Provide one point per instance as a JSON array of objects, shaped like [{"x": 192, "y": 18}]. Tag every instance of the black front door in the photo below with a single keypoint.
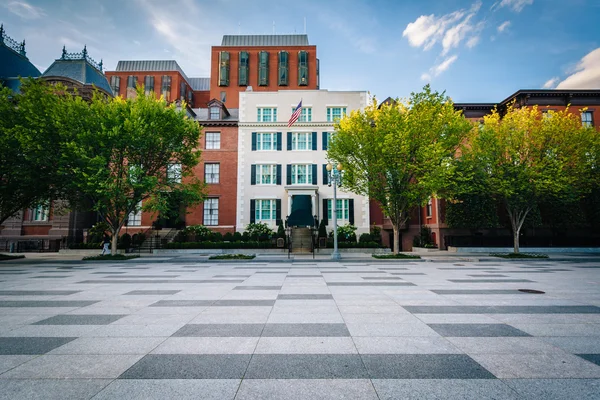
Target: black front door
[{"x": 301, "y": 214}]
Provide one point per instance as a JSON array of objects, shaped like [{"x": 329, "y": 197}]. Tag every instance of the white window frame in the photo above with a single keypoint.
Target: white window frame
[
  {"x": 135, "y": 217},
  {"x": 174, "y": 172},
  {"x": 210, "y": 215},
  {"x": 429, "y": 208},
  {"x": 213, "y": 140},
  {"x": 585, "y": 121},
  {"x": 342, "y": 210},
  {"x": 214, "y": 113},
  {"x": 305, "y": 114},
  {"x": 261, "y": 207},
  {"x": 212, "y": 172},
  {"x": 333, "y": 118},
  {"x": 40, "y": 213},
  {"x": 261, "y": 141},
  {"x": 307, "y": 173},
  {"x": 266, "y": 114},
  {"x": 299, "y": 138},
  {"x": 266, "y": 174}
]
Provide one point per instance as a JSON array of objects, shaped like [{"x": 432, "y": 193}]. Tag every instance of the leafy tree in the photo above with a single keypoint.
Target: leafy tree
[
  {"x": 120, "y": 154},
  {"x": 399, "y": 153},
  {"x": 526, "y": 157},
  {"x": 32, "y": 123}
]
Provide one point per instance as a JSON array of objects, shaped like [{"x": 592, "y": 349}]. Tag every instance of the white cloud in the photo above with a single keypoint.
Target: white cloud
[
  {"x": 449, "y": 29},
  {"x": 439, "y": 68},
  {"x": 25, "y": 10},
  {"x": 586, "y": 75},
  {"x": 425, "y": 77},
  {"x": 551, "y": 83},
  {"x": 503, "y": 26},
  {"x": 515, "y": 5},
  {"x": 472, "y": 42}
]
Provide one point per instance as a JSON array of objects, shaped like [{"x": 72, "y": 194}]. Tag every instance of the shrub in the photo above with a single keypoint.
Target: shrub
[
  {"x": 96, "y": 233},
  {"x": 365, "y": 237},
  {"x": 125, "y": 241},
  {"x": 83, "y": 246},
  {"x": 137, "y": 239},
  {"x": 237, "y": 237},
  {"x": 232, "y": 257},
  {"x": 322, "y": 229},
  {"x": 201, "y": 232},
  {"x": 259, "y": 231},
  {"x": 281, "y": 230},
  {"x": 424, "y": 238},
  {"x": 345, "y": 233},
  {"x": 216, "y": 237},
  {"x": 228, "y": 237},
  {"x": 109, "y": 257},
  {"x": 220, "y": 245},
  {"x": 376, "y": 233},
  {"x": 353, "y": 245},
  {"x": 393, "y": 256}
]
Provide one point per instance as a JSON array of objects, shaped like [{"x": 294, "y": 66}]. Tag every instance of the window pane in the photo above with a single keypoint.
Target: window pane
[{"x": 213, "y": 140}]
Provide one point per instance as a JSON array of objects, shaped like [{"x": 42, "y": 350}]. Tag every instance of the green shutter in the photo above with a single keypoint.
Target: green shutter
[
  {"x": 253, "y": 141},
  {"x": 278, "y": 141},
  {"x": 224, "y": 68},
  {"x": 253, "y": 174},
  {"x": 351, "y": 211},
  {"x": 325, "y": 141},
  {"x": 252, "y": 211},
  {"x": 302, "y": 68},
  {"x": 314, "y": 174},
  {"x": 325, "y": 175},
  {"x": 314, "y": 140},
  {"x": 278, "y": 211},
  {"x": 283, "y": 68},
  {"x": 324, "y": 212},
  {"x": 243, "y": 66},
  {"x": 279, "y": 174},
  {"x": 289, "y": 140},
  {"x": 289, "y": 174},
  {"x": 263, "y": 68}
]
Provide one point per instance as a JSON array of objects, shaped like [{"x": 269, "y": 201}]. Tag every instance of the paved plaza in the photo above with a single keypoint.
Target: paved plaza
[{"x": 160, "y": 328}]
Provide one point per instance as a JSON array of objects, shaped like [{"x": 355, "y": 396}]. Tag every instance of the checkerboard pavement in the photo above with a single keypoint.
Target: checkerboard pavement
[{"x": 174, "y": 327}]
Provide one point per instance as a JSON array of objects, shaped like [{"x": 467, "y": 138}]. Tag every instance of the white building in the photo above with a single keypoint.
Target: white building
[{"x": 281, "y": 170}]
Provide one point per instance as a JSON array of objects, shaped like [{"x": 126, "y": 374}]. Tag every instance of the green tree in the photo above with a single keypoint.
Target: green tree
[
  {"x": 131, "y": 151},
  {"x": 31, "y": 126},
  {"x": 526, "y": 157},
  {"x": 399, "y": 153}
]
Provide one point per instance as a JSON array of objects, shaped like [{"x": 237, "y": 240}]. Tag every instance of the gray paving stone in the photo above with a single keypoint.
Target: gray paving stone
[
  {"x": 370, "y": 284},
  {"x": 47, "y": 303},
  {"x": 243, "y": 303},
  {"x": 232, "y": 276},
  {"x": 476, "y": 330},
  {"x": 151, "y": 292},
  {"x": 38, "y": 292},
  {"x": 488, "y": 276},
  {"x": 189, "y": 366},
  {"x": 391, "y": 329},
  {"x": 220, "y": 330},
  {"x": 304, "y": 297},
  {"x": 10, "y": 361},
  {"x": 305, "y": 276},
  {"x": 594, "y": 358},
  {"x": 31, "y": 345},
  {"x": 289, "y": 330},
  {"x": 477, "y": 291},
  {"x": 257, "y": 288},
  {"x": 380, "y": 278},
  {"x": 50, "y": 389},
  {"x": 503, "y": 309},
  {"x": 80, "y": 319},
  {"x": 160, "y": 389},
  {"x": 424, "y": 366},
  {"x": 455, "y": 389},
  {"x": 306, "y": 366},
  {"x": 405, "y": 345},
  {"x": 207, "y": 345},
  {"x": 576, "y": 344},
  {"x": 314, "y": 389},
  {"x": 115, "y": 345},
  {"x": 183, "y": 303},
  {"x": 501, "y": 345},
  {"x": 489, "y": 280},
  {"x": 556, "y": 389},
  {"x": 305, "y": 345}
]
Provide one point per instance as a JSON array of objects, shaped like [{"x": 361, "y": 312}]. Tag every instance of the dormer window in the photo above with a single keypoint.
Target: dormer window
[{"x": 215, "y": 113}]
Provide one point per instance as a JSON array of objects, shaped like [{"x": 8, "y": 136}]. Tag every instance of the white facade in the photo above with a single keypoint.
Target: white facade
[{"x": 277, "y": 165}]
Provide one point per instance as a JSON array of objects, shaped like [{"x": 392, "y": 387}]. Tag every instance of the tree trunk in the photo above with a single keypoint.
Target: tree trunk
[
  {"x": 396, "y": 245},
  {"x": 115, "y": 239},
  {"x": 516, "y": 240}
]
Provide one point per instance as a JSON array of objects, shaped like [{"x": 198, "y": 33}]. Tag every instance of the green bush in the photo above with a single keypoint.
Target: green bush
[
  {"x": 228, "y": 237},
  {"x": 393, "y": 256},
  {"x": 322, "y": 229},
  {"x": 237, "y": 237},
  {"x": 201, "y": 232},
  {"x": 354, "y": 245},
  {"x": 376, "y": 233},
  {"x": 365, "y": 237},
  {"x": 232, "y": 257},
  {"x": 137, "y": 239},
  {"x": 346, "y": 233},
  {"x": 219, "y": 245},
  {"x": 216, "y": 237},
  {"x": 96, "y": 233},
  {"x": 424, "y": 239},
  {"x": 109, "y": 257},
  {"x": 519, "y": 255},
  {"x": 83, "y": 246},
  {"x": 259, "y": 231},
  {"x": 125, "y": 241}
]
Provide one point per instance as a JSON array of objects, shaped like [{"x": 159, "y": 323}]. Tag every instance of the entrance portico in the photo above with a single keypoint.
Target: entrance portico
[{"x": 302, "y": 204}]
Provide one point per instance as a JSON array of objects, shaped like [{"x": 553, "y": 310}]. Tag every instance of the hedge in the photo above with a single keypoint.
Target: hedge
[{"x": 219, "y": 245}]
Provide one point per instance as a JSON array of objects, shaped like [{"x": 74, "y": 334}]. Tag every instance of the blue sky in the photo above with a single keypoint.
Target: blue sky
[{"x": 478, "y": 51}]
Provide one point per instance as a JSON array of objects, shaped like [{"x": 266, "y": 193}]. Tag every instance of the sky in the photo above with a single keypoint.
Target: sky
[{"x": 475, "y": 50}]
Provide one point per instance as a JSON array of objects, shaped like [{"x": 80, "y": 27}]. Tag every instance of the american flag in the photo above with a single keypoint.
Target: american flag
[{"x": 295, "y": 114}]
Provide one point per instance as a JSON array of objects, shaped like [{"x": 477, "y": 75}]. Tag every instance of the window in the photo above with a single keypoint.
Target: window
[
  {"x": 266, "y": 141},
  {"x": 265, "y": 210},
  {"x": 223, "y": 97},
  {"x": 182, "y": 90},
  {"x": 40, "y": 213},
  {"x": 211, "y": 173},
  {"x": 266, "y": 114},
  {"x": 266, "y": 174},
  {"x": 243, "y": 68},
  {"x": 586, "y": 118},
  {"x": 148, "y": 84},
  {"x": 115, "y": 84},
  {"x": 326, "y": 140},
  {"x": 224, "y": 68},
  {"x": 301, "y": 174},
  {"x": 135, "y": 217},
  {"x": 263, "y": 68},
  {"x": 165, "y": 88},
  {"x": 215, "y": 113},
  {"x": 302, "y": 68},
  {"x": 174, "y": 172},
  {"x": 131, "y": 84},
  {"x": 335, "y": 113},
  {"x": 213, "y": 140},
  {"x": 190, "y": 98},
  {"x": 302, "y": 141},
  {"x": 283, "y": 68},
  {"x": 211, "y": 212},
  {"x": 429, "y": 208},
  {"x": 342, "y": 209},
  {"x": 305, "y": 114}
]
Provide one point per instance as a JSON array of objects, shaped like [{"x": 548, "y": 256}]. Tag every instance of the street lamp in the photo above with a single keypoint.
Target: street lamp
[{"x": 335, "y": 178}]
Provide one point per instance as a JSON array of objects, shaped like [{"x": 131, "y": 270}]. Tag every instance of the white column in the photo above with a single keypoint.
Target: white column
[
  {"x": 289, "y": 204},
  {"x": 313, "y": 199}
]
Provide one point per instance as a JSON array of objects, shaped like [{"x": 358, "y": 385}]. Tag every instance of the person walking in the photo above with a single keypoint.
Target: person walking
[{"x": 105, "y": 245}]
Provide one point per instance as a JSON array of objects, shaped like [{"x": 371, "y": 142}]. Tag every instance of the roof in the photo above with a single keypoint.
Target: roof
[
  {"x": 551, "y": 93},
  {"x": 199, "y": 83},
  {"x": 151, "y": 65},
  {"x": 14, "y": 64},
  {"x": 80, "y": 71},
  {"x": 265, "y": 40}
]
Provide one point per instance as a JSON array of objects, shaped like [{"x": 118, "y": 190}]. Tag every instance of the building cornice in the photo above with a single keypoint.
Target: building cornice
[{"x": 284, "y": 125}]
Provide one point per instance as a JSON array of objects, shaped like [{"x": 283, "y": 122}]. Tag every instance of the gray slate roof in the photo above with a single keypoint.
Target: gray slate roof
[
  {"x": 202, "y": 114},
  {"x": 78, "y": 70},
  {"x": 199, "y": 83},
  {"x": 151, "y": 65},
  {"x": 265, "y": 40},
  {"x": 13, "y": 64}
]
